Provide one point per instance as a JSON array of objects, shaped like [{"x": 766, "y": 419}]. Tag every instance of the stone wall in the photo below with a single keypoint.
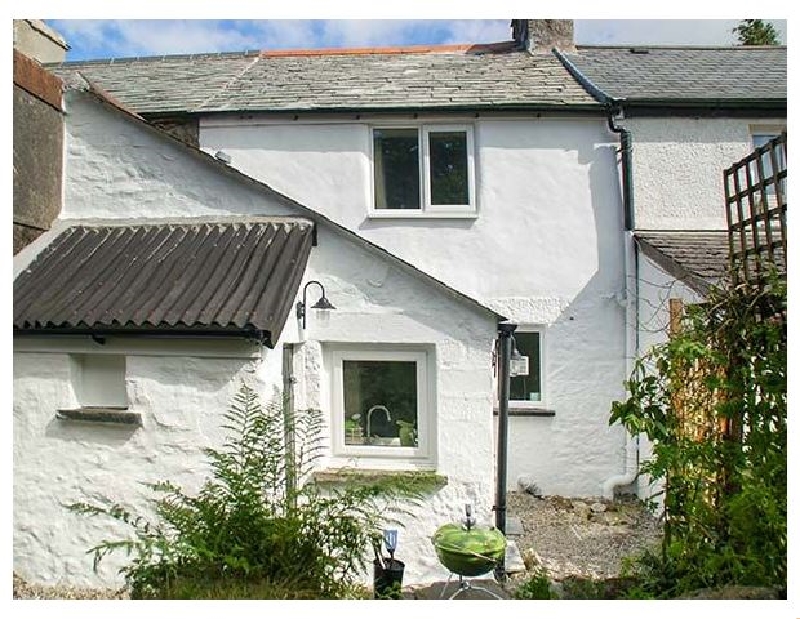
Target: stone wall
[{"x": 38, "y": 150}]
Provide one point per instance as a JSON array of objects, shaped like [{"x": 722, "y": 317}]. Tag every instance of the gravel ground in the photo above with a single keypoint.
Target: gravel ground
[
  {"x": 26, "y": 591},
  {"x": 569, "y": 537},
  {"x": 580, "y": 537}
]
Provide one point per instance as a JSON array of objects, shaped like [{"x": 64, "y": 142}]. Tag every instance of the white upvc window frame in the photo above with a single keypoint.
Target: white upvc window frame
[
  {"x": 423, "y": 453},
  {"x": 427, "y": 209},
  {"x": 541, "y": 403}
]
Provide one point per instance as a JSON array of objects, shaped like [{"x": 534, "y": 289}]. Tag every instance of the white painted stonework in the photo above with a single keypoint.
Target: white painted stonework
[
  {"x": 117, "y": 169},
  {"x": 546, "y": 249},
  {"x": 656, "y": 288},
  {"x": 678, "y": 166}
]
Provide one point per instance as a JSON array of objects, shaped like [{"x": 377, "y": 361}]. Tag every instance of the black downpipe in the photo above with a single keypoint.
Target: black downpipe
[
  {"x": 505, "y": 333},
  {"x": 288, "y": 422},
  {"x": 627, "y": 169}
]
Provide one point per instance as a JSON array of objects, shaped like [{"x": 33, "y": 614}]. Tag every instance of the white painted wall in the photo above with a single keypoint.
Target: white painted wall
[
  {"x": 678, "y": 166},
  {"x": 656, "y": 288},
  {"x": 546, "y": 248},
  {"x": 181, "y": 389}
]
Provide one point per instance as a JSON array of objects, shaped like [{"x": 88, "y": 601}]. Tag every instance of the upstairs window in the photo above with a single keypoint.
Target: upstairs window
[
  {"x": 760, "y": 139},
  {"x": 425, "y": 169}
]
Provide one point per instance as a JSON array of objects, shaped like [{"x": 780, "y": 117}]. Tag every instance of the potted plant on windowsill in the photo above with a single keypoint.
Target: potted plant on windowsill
[
  {"x": 407, "y": 433},
  {"x": 354, "y": 435}
]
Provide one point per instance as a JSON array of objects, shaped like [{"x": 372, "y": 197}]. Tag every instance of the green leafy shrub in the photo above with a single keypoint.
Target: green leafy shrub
[
  {"x": 713, "y": 401},
  {"x": 537, "y": 587},
  {"x": 259, "y": 527}
]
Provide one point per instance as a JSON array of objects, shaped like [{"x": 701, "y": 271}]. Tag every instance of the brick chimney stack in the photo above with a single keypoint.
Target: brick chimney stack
[{"x": 542, "y": 35}]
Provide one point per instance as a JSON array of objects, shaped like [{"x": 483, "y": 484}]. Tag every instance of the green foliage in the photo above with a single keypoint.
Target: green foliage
[
  {"x": 577, "y": 588},
  {"x": 756, "y": 32},
  {"x": 251, "y": 531},
  {"x": 403, "y": 483},
  {"x": 537, "y": 587},
  {"x": 713, "y": 401}
]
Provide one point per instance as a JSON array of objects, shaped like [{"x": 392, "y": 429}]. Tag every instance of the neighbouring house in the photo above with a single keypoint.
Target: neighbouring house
[
  {"x": 686, "y": 114},
  {"x": 38, "y": 149},
  {"x": 169, "y": 278},
  {"x": 37, "y": 40}
]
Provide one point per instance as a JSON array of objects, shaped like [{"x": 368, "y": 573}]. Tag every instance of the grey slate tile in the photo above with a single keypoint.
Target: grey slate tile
[{"x": 726, "y": 73}]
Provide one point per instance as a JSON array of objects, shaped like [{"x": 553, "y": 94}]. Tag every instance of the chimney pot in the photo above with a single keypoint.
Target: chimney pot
[{"x": 542, "y": 35}]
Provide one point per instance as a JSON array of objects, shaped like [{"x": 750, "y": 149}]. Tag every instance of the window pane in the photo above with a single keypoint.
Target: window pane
[
  {"x": 396, "y": 168},
  {"x": 766, "y": 161},
  {"x": 380, "y": 403},
  {"x": 528, "y": 388},
  {"x": 448, "y": 173}
]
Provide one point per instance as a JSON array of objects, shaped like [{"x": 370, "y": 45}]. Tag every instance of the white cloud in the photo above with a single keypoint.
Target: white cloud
[
  {"x": 661, "y": 31},
  {"x": 108, "y": 38},
  {"x": 479, "y": 31},
  {"x": 281, "y": 33}
]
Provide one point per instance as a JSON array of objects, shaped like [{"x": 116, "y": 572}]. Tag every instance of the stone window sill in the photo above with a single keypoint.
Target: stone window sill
[
  {"x": 528, "y": 412},
  {"x": 421, "y": 480},
  {"x": 96, "y": 414}
]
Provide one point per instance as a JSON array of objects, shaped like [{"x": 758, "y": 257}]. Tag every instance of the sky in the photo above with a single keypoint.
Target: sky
[{"x": 93, "y": 38}]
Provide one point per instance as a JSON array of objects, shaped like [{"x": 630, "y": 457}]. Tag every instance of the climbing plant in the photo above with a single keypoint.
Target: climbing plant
[{"x": 713, "y": 402}]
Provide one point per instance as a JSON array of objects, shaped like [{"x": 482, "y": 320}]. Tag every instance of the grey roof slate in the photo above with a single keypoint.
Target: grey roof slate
[
  {"x": 735, "y": 73},
  {"x": 222, "y": 276},
  {"x": 700, "y": 259},
  {"x": 334, "y": 81}
]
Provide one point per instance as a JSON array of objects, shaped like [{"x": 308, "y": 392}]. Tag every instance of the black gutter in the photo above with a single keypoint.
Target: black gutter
[
  {"x": 264, "y": 337},
  {"x": 645, "y": 109},
  {"x": 708, "y": 103},
  {"x": 466, "y": 108}
]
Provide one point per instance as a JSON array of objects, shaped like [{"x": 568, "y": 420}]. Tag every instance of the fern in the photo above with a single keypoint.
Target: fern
[{"x": 258, "y": 519}]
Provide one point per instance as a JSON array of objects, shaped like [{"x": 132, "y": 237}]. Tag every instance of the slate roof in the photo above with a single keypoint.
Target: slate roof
[
  {"x": 238, "y": 277},
  {"x": 446, "y": 77},
  {"x": 734, "y": 73},
  {"x": 698, "y": 258}
]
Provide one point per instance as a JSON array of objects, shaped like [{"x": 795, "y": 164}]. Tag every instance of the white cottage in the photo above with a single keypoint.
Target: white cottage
[
  {"x": 495, "y": 169},
  {"x": 487, "y": 166},
  {"x": 167, "y": 280},
  {"x": 685, "y": 114}
]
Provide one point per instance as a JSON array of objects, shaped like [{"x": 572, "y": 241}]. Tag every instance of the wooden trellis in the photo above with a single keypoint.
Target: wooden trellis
[{"x": 755, "y": 200}]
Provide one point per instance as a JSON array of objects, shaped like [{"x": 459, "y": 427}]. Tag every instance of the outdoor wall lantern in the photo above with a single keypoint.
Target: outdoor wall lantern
[
  {"x": 323, "y": 303},
  {"x": 519, "y": 364}
]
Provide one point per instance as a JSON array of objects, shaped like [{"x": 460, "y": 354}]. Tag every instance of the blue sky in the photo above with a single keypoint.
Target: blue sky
[{"x": 134, "y": 37}]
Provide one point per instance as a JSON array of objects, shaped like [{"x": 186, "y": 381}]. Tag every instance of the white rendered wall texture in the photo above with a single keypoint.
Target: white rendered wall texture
[
  {"x": 656, "y": 288},
  {"x": 546, "y": 249},
  {"x": 181, "y": 398},
  {"x": 678, "y": 166}
]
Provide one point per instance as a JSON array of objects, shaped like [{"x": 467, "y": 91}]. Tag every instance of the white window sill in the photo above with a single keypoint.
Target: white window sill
[{"x": 419, "y": 214}]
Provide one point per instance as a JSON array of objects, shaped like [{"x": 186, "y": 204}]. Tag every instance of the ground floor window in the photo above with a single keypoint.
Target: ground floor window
[
  {"x": 526, "y": 389},
  {"x": 380, "y": 403}
]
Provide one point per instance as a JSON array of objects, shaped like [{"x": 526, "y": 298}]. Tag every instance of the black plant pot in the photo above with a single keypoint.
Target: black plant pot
[{"x": 387, "y": 581}]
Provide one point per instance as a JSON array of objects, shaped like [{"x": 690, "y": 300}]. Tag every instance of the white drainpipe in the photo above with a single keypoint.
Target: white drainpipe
[{"x": 632, "y": 352}]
